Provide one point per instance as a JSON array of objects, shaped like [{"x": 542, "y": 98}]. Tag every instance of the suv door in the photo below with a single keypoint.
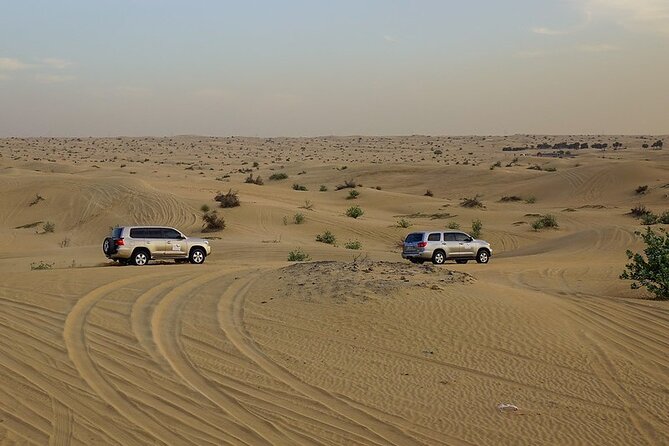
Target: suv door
[
  {"x": 467, "y": 248},
  {"x": 433, "y": 241},
  {"x": 155, "y": 242},
  {"x": 451, "y": 245},
  {"x": 175, "y": 243}
]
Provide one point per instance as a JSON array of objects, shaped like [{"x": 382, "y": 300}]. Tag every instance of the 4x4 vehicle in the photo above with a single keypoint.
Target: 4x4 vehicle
[
  {"x": 439, "y": 246},
  {"x": 139, "y": 244}
]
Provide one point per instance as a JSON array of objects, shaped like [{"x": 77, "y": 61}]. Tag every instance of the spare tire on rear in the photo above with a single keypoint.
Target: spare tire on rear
[{"x": 108, "y": 246}]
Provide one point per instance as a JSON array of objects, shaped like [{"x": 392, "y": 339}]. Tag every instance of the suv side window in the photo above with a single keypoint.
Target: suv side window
[
  {"x": 138, "y": 233},
  {"x": 434, "y": 237},
  {"x": 153, "y": 233},
  {"x": 170, "y": 233},
  {"x": 449, "y": 237},
  {"x": 461, "y": 237}
]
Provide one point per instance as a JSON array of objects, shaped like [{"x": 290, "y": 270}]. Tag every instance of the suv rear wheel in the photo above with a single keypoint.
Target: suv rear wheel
[
  {"x": 141, "y": 257},
  {"x": 439, "y": 257}
]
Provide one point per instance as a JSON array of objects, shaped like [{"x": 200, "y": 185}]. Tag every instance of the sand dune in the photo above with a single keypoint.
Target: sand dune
[{"x": 354, "y": 347}]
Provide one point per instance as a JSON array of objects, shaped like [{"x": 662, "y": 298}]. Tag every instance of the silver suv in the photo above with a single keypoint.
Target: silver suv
[
  {"x": 439, "y": 246},
  {"x": 139, "y": 244}
]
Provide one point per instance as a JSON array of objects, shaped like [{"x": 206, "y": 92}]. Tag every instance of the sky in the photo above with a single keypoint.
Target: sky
[{"x": 312, "y": 67}]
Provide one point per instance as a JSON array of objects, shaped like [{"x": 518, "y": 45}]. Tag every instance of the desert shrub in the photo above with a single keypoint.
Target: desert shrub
[
  {"x": 49, "y": 226},
  {"x": 354, "y": 212},
  {"x": 278, "y": 176},
  {"x": 257, "y": 180},
  {"x": 255, "y": 164},
  {"x": 353, "y": 244},
  {"x": 544, "y": 222},
  {"x": 41, "y": 265},
  {"x": 649, "y": 219},
  {"x": 453, "y": 225},
  {"x": 403, "y": 223},
  {"x": 300, "y": 187},
  {"x": 429, "y": 193},
  {"x": 509, "y": 199},
  {"x": 298, "y": 218},
  {"x": 474, "y": 202},
  {"x": 323, "y": 188},
  {"x": 327, "y": 237},
  {"x": 477, "y": 226},
  {"x": 228, "y": 200},
  {"x": 205, "y": 208},
  {"x": 308, "y": 205},
  {"x": 285, "y": 220},
  {"x": 348, "y": 184},
  {"x": 641, "y": 190},
  {"x": 212, "y": 221},
  {"x": 652, "y": 271},
  {"x": 353, "y": 194},
  {"x": 36, "y": 200},
  {"x": 664, "y": 218},
  {"x": 550, "y": 169},
  {"x": 639, "y": 211},
  {"x": 297, "y": 255},
  {"x": 497, "y": 164},
  {"x": 531, "y": 200}
]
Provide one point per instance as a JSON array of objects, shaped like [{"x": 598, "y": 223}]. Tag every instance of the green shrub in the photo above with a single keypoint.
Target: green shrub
[
  {"x": 354, "y": 212},
  {"x": 299, "y": 187},
  {"x": 652, "y": 271},
  {"x": 545, "y": 221},
  {"x": 353, "y": 194},
  {"x": 298, "y": 218},
  {"x": 453, "y": 225},
  {"x": 353, "y": 244},
  {"x": 664, "y": 218},
  {"x": 477, "y": 226},
  {"x": 639, "y": 211},
  {"x": 403, "y": 223},
  {"x": 205, "y": 208},
  {"x": 649, "y": 219},
  {"x": 323, "y": 188},
  {"x": 531, "y": 200},
  {"x": 298, "y": 255},
  {"x": 278, "y": 176},
  {"x": 42, "y": 265},
  {"x": 327, "y": 237},
  {"x": 212, "y": 222},
  {"x": 49, "y": 226},
  {"x": 257, "y": 180}
]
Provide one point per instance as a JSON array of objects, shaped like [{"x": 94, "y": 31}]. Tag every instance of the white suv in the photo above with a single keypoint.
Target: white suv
[
  {"x": 139, "y": 244},
  {"x": 439, "y": 246}
]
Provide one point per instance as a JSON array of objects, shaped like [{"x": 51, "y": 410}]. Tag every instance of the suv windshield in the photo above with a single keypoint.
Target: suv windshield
[{"x": 414, "y": 237}]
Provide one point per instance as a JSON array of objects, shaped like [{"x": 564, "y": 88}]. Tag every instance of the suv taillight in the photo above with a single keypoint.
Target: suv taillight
[
  {"x": 119, "y": 242},
  {"x": 422, "y": 244}
]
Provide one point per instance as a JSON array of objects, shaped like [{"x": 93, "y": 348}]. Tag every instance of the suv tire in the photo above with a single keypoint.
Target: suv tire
[
  {"x": 197, "y": 256},
  {"x": 483, "y": 256},
  {"x": 141, "y": 257},
  {"x": 108, "y": 246},
  {"x": 439, "y": 257}
]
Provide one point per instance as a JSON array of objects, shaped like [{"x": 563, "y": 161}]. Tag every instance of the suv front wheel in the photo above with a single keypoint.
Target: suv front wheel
[
  {"x": 483, "y": 256},
  {"x": 197, "y": 256}
]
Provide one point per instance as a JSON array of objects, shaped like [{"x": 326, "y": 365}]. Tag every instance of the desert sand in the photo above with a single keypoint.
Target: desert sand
[{"x": 353, "y": 346}]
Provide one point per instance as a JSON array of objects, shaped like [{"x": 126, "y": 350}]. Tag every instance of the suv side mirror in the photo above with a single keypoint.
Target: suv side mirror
[{"x": 469, "y": 239}]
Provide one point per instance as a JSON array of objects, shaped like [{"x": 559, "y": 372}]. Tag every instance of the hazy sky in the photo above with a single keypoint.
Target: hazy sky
[{"x": 303, "y": 68}]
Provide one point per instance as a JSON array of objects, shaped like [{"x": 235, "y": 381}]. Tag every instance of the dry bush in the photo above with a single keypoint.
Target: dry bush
[{"x": 228, "y": 200}]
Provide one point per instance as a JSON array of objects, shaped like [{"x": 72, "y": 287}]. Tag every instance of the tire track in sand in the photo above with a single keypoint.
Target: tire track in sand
[
  {"x": 230, "y": 316},
  {"x": 75, "y": 341},
  {"x": 253, "y": 430},
  {"x": 62, "y": 424}
]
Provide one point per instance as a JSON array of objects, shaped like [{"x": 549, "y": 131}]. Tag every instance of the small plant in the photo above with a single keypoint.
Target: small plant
[
  {"x": 453, "y": 225},
  {"x": 297, "y": 255},
  {"x": 651, "y": 271},
  {"x": 474, "y": 202},
  {"x": 323, "y": 188},
  {"x": 550, "y": 169},
  {"x": 228, "y": 200},
  {"x": 531, "y": 200},
  {"x": 212, "y": 222},
  {"x": 205, "y": 208},
  {"x": 49, "y": 226},
  {"x": 327, "y": 237},
  {"x": 353, "y": 244},
  {"x": 403, "y": 223},
  {"x": 285, "y": 220},
  {"x": 41, "y": 265},
  {"x": 664, "y": 218},
  {"x": 353, "y": 194},
  {"x": 300, "y": 187},
  {"x": 428, "y": 193},
  {"x": 257, "y": 180},
  {"x": 497, "y": 164},
  {"x": 477, "y": 226},
  {"x": 649, "y": 219},
  {"x": 509, "y": 199},
  {"x": 354, "y": 212},
  {"x": 639, "y": 211},
  {"x": 278, "y": 176},
  {"x": 298, "y": 218},
  {"x": 545, "y": 222},
  {"x": 641, "y": 190},
  {"x": 348, "y": 184},
  {"x": 308, "y": 205},
  {"x": 36, "y": 200},
  {"x": 255, "y": 164}
]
